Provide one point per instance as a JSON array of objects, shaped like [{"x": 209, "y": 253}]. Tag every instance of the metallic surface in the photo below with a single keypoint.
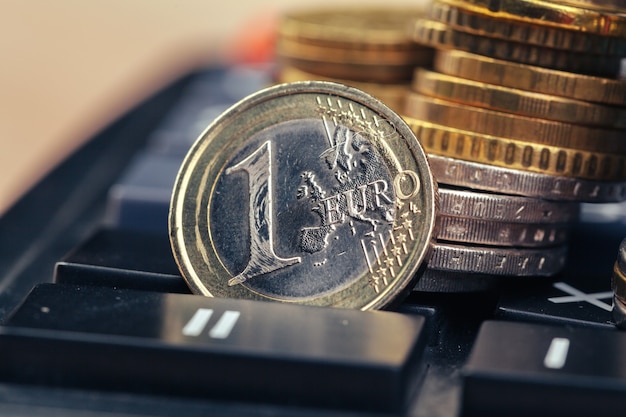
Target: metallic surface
[
  {"x": 497, "y": 261},
  {"x": 505, "y": 208},
  {"x": 510, "y": 181},
  {"x": 357, "y": 27},
  {"x": 376, "y": 72},
  {"x": 344, "y": 54},
  {"x": 441, "y": 36},
  {"x": 518, "y": 154},
  {"x": 362, "y": 44},
  {"x": 512, "y": 126},
  {"x": 433, "y": 280},
  {"x": 551, "y": 13},
  {"x": 545, "y": 36},
  {"x": 514, "y": 100},
  {"x": 531, "y": 78},
  {"x": 309, "y": 192},
  {"x": 393, "y": 95},
  {"x": 486, "y": 232}
]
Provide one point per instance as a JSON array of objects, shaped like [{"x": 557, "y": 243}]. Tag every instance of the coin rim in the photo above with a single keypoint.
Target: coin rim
[
  {"x": 511, "y": 74},
  {"x": 501, "y": 233},
  {"x": 441, "y": 36},
  {"x": 550, "y": 13},
  {"x": 525, "y": 32},
  {"x": 517, "y": 101},
  {"x": 482, "y": 205},
  {"x": 393, "y": 95},
  {"x": 480, "y": 176},
  {"x": 484, "y": 259},
  {"x": 311, "y": 25},
  {"x": 509, "y": 153},
  {"x": 513, "y": 126}
]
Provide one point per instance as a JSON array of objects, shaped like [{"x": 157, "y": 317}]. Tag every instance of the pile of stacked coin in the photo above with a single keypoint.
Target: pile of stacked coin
[
  {"x": 523, "y": 113},
  {"x": 619, "y": 287},
  {"x": 366, "y": 48}
]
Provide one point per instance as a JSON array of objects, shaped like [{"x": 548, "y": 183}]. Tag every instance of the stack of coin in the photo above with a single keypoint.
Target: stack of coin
[
  {"x": 619, "y": 287},
  {"x": 369, "y": 49},
  {"x": 523, "y": 105}
]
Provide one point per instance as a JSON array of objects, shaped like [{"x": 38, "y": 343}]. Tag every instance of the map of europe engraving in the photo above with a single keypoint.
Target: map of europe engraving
[{"x": 362, "y": 192}]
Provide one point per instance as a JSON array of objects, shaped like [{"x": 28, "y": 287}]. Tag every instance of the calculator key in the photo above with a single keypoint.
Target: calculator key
[
  {"x": 429, "y": 308},
  {"x": 523, "y": 369},
  {"x": 140, "y": 200},
  {"x": 571, "y": 300},
  {"x": 581, "y": 295},
  {"x": 447, "y": 315},
  {"x": 206, "y": 98},
  {"x": 125, "y": 259},
  {"x": 188, "y": 345}
]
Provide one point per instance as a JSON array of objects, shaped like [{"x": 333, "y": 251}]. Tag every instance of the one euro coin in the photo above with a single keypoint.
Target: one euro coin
[{"x": 308, "y": 192}]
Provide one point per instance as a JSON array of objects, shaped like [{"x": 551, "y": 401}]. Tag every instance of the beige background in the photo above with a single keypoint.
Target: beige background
[{"x": 69, "y": 67}]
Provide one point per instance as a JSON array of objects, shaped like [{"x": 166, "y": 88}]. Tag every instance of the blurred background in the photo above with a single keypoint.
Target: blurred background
[{"x": 70, "y": 67}]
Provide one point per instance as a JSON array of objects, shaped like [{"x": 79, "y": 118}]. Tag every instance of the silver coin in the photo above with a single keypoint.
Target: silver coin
[
  {"x": 505, "y": 208},
  {"x": 433, "y": 280},
  {"x": 485, "y": 177},
  {"x": 465, "y": 230},
  {"x": 497, "y": 261}
]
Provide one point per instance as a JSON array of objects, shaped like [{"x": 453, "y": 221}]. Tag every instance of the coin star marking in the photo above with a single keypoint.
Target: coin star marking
[{"x": 307, "y": 192}]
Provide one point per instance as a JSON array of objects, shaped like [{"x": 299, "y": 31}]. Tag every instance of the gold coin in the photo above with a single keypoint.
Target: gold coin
[
  {"x": 359, "y": 28},
  {"x": 541, "y": 35},
  {"x": 513, "y": 100},
  {"x": 550, "y": 13},
  {"x": 346, "y": 55},
  {"x": 377, "y": 73},
  {"x": 531, "y": 78},
  {"x": 512, "y": 126},
  {"x": 515, "y": 154},
  {"x": 441, "y": 36},
  {"x": 393, "y": 95},
  {"x": 312, "y": 193}
]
